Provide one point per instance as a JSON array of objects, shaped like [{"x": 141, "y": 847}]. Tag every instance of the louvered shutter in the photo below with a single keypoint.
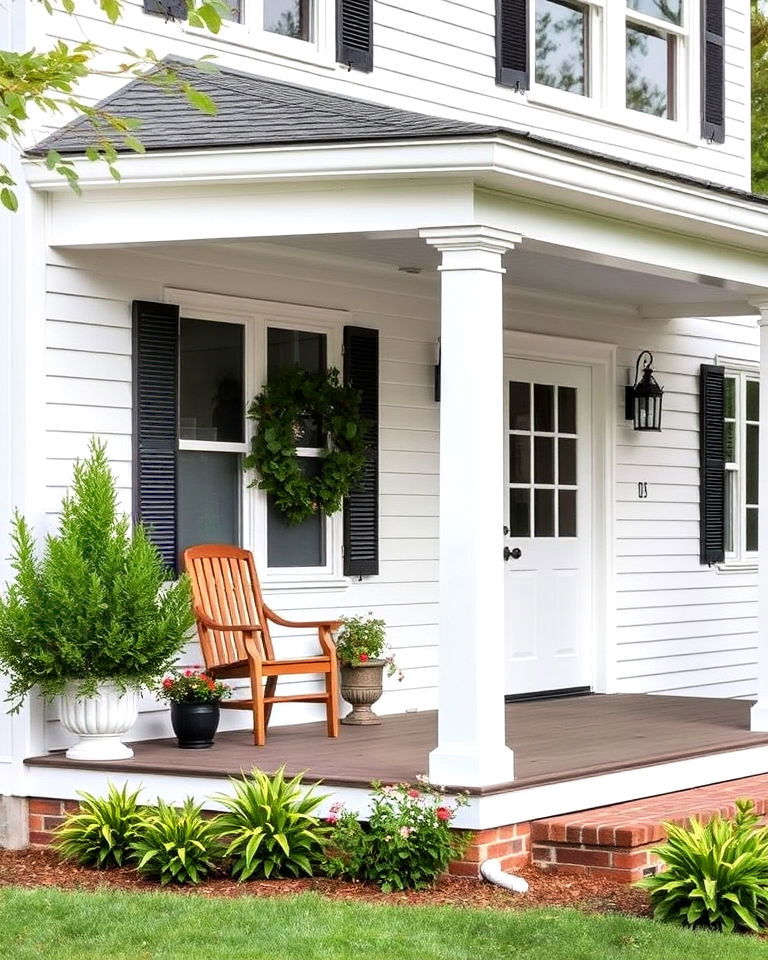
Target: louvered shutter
[
  {"x": 712, "y": 468},
  {"x": 170, "y": 9},
  {"x": 155, "y": 416},
  {"x": 712, "y": 70},
  {"x": 361, "y": 507},
  {"x": 354, "y": 34},
  {"x": 512, "y": 43}
]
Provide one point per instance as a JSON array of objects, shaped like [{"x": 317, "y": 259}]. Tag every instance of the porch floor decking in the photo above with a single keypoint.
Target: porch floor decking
[{"x": 553, "y": 740}]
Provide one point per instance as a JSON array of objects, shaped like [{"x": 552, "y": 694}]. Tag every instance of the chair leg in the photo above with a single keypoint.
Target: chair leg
[
  {"x": 257, "y": 701},
  {"x": 332, "y": 705},
  {"x": 269, "y": 691}
]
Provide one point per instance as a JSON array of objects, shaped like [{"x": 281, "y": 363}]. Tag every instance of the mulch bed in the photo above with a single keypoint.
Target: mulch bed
[{"x": 43, "y": 868}]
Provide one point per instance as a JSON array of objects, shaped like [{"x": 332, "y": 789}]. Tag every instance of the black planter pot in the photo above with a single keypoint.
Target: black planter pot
[{"x": 195, "y": 724}]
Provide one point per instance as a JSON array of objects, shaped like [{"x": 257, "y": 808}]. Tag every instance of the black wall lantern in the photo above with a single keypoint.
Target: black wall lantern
[{"x": 642, "y": 402}]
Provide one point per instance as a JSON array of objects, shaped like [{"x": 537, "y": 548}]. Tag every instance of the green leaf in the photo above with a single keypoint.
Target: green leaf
[
  {"x": 200, "y": 100},
  {"x": 9, "y": 199}
]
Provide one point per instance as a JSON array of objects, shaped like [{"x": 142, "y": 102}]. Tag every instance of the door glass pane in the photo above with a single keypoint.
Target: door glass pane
[
  {"x": 729, "y": 389},
  {"x": 753, "y": 400},
  {"x": 520, "y": 513},
  {"x": 543, "y": 408},
  {"x": 544, "y": 513},
  {"x": 752, "y": 528},
  {"x": 566, "y": 450},
  {"x": 287, "y": 17},
  {"x": 296, "y": 545},
  {"x": 560, "y": 45},
  {"x": 752, "y": 471},
  {"x": 519, "y": 406},
  {"x": 544, "y": 460},
  {"x": 211, "y": 380},
  {"x": 566, "y": 410},
  {"x": 298, "y": 349},
  {"x": 519, "y": 459},
  {"x": 566, "y": 501},
  {"x": 208, "y": 498},
  {"x": 649, "y": 72},
  {"x": 729, "y": 441},
  {"x": 670, "y": 10}
]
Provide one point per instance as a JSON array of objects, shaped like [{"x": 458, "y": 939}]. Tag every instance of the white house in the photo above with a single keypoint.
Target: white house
[{"x": 532, "y": 192}]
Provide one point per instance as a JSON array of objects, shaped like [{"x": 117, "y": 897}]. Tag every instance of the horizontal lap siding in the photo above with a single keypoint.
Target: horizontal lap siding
[
  {"x": 439, "y": 58},
  {"x": 88, "y": 390}
]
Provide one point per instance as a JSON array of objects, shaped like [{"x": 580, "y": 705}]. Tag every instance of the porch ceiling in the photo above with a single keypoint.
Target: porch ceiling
[{"x": 554, "y": 741}]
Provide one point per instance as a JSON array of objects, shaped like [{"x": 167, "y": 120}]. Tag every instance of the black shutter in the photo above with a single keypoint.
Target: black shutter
[
  {"x": 712, "y": 496},
  {"x": 712, "y": 70},
  {"x": 361, "y": 507},
  {"x": 169, "y": 9},
  {"x": 155, "y": 422},
  {"x": 512, "y": 43},
  {"x": 354, "y": 34}
]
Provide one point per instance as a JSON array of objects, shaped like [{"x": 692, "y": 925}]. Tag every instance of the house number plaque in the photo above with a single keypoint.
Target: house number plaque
[{"x": 642, "y": 490}]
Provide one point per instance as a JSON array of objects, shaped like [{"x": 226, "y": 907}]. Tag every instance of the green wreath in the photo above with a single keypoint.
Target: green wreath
[{"x": 281, "y": 409}]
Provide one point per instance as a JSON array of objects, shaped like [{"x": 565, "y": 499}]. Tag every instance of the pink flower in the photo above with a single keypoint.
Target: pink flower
[
  {"x": 405, "y": 832},
  {"x": 443, "y": 813},
  {"x": 331, "y": 819},
  {"x": 187, "y": 673},
  {"x": 337, "y": 807},
  {"x": 363, "y": 657},
  {"x": 168, "y": 683},
  {"x": 414, "y": 793}
]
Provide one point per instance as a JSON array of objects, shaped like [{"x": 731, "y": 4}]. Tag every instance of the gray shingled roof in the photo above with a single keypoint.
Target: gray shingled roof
[{"x": 251, "y": 111}]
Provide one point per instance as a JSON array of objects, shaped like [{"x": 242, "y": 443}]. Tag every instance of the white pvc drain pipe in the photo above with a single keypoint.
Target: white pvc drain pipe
[{"x": 491, "y": 871}]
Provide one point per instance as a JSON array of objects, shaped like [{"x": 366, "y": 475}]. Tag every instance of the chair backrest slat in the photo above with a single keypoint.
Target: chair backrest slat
[{"x": 226, "y": 588}]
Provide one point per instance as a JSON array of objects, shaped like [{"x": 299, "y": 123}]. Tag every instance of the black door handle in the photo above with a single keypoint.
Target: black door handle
[{"x": 514, "y": 554}]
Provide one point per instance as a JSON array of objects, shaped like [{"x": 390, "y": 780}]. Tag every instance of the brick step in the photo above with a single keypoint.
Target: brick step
[{"x": 617, "y": 841}]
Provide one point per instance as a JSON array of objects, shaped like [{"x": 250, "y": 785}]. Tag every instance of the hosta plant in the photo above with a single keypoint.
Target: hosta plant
[
  {"x": 717, "y": 873},
  {"x": 176, "y": 845},
  {"x": 407, "y": 842},
  {"x": 101, "y": 833},
  {"x": 270, "y": 827}
]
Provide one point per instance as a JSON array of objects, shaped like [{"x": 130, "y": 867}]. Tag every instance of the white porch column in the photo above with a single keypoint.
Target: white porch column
[
  {"x": 471, "y": 748},
  {"x": 759, "y": 714}
]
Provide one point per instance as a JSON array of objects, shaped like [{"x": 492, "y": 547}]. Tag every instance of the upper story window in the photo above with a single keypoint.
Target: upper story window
[
  {"x": 287, "y": 18},
  {"x": 653, "y": 45},
  {"x": 562, "y": 32}
]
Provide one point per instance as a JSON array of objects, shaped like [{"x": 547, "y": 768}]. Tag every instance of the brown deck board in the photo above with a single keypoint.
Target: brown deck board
[{"x": 553, "y": 740}]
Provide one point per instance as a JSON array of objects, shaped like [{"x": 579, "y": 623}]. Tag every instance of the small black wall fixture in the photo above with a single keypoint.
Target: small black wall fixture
[
  {"x": 642, "y": 401},
  {"x": 437, "y": 374}
]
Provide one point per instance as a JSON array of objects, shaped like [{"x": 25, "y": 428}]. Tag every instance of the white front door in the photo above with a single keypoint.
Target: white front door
[{"x": 548, "y": 520}]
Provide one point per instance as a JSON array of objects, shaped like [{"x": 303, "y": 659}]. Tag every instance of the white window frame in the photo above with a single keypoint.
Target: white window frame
[
  {"x": 683, "y": 85},
  {"x": 594, "y": 61},
  {"x": 257, "y": 316},
  {"x": 739, "y": 558},
  {"x": 319, "y": 49}
]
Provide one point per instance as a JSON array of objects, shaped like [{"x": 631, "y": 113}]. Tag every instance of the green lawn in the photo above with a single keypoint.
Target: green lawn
[{"x": 108, "y": 925}]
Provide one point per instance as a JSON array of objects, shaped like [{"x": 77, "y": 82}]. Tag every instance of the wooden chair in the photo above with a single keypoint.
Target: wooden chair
[{"x": 233, "y": 627}]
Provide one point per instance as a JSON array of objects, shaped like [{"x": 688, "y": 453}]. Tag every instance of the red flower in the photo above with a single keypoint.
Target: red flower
[
  {"x": 443, "y": 813},
  {"x": 188, "y": 673},
  {"x": 363, "y": 657},
  {"x": 331, "y": 819},
  {"x": 168, "y": 683},
  {"x": 414, "y": 793}
]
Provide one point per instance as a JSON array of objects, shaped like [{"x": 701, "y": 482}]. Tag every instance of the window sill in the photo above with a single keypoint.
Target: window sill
[
  {"x": 294, "y": 584},
  {"x": 737, "y": 566},
  {"x": 272, "y": 45},
  {"x": 589, "y": 108}
]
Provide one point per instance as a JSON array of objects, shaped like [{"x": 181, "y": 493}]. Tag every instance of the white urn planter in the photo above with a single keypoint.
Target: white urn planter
[{"x": 100, "y": 721}]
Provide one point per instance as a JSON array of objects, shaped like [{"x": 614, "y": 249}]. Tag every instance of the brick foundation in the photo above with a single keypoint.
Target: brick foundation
[
  {"x": 45, "y": 816},
  {"x": 511, "y": 844}
]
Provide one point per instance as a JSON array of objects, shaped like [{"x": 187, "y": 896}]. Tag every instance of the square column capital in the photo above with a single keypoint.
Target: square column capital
[
  {"x": 761, "y": 304},
  {"x": 471, "y": 247}
]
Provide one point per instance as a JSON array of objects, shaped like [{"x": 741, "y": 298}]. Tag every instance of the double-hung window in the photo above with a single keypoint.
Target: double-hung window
[
  {"x": 286, "y": 18},
  {"x": 564, "y": 40},
  {"x": 654, "y": 39},
  {"x": 740, "y": 439}
]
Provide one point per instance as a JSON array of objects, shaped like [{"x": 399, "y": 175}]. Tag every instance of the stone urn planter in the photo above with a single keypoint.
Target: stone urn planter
[
  {"x": 195, "y": 724},
  {"x": 361, "y": 685},
  {"x": 99, "y": 721}
]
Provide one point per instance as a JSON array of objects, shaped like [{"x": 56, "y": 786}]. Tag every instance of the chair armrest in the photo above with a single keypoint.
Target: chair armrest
[
  {"x": 282, "y": 622},
  {"x": 236, "y": 627}
]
